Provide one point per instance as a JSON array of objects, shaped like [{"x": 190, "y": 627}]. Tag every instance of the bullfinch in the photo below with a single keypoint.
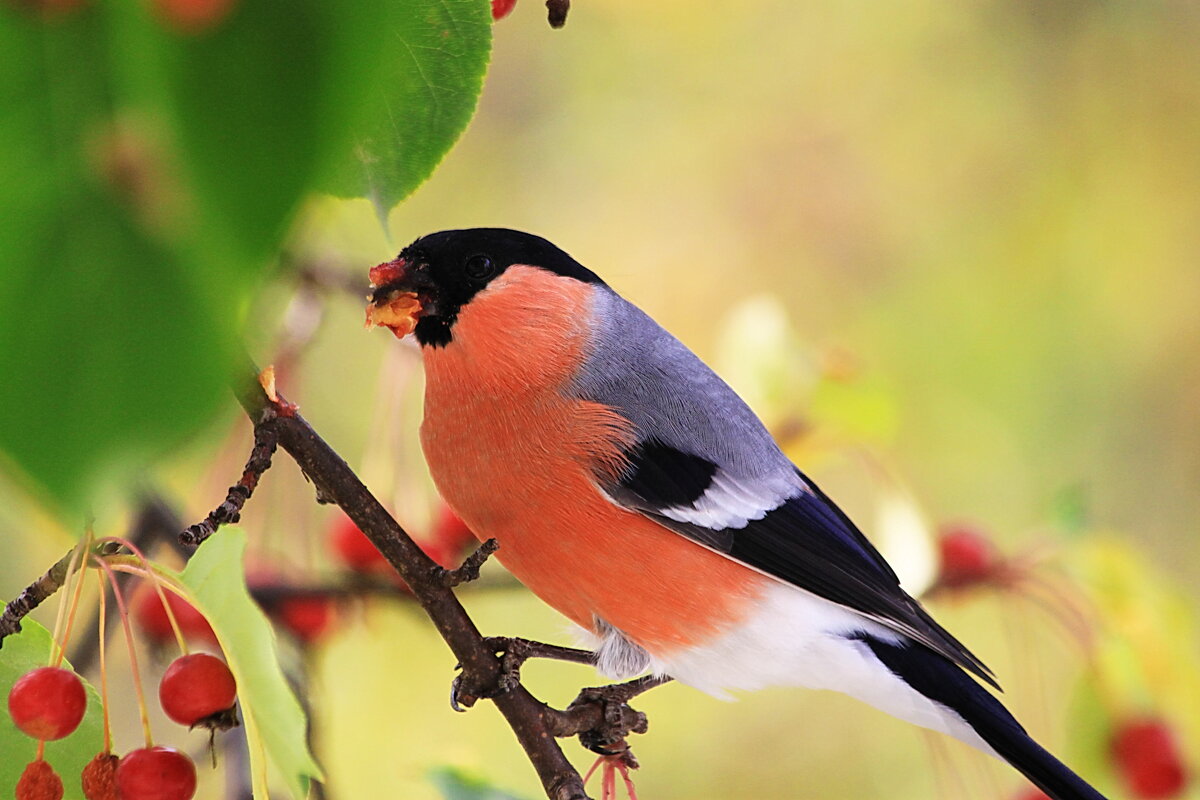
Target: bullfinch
[{"x": 630, "y": 488}]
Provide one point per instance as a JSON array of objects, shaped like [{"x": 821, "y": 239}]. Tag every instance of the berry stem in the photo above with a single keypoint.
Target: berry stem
[
  {"x": 76, "y": 592},
  {"x": 103, "y": 665},
  {"x": 157, "y": 582},
  {"x": 72, "y": 569},
  {"x": 1060, "y": 606},
  {"x": 133, "y": 663}
]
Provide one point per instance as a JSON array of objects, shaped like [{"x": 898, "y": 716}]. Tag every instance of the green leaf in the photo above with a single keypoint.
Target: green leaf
[
  {"x": 108, "y": 349},
  {"x": 455, "y": 784},
  {"x": 147, "y": 177},
  {"x": 423, "y": 96},
  {"x": 275, "y": 723},
  {"x": 264, "y": 104},
  {"x": 22, "y": 652}
]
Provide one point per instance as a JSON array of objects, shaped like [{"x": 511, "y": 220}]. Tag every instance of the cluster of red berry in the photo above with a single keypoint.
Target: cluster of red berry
[
  {"x": 446, "y": 544},
  {"x": 197, "y": 689},
  {"x": 307, "y": 616},
  {"x": 308, "y": 613},
  {"x": 48, "y": 704}
]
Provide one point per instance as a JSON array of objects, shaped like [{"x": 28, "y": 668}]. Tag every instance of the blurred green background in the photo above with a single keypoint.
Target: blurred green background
[{"x": 976, "y": 226}]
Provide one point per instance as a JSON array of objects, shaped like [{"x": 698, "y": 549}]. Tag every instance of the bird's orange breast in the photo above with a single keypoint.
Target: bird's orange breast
[{"x": 515, "y": 458}]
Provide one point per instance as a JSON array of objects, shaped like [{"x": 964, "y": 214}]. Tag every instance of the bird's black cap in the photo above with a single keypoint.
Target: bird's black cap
[{"x": 451, "y": 267}]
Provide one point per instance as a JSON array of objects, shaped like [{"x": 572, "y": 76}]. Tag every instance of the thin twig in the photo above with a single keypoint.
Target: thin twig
[
  {"x": 33, "y": 596},
  {"x": 469, "y": 569},
  {"x": 35, "y": 593},
  {"x": 231, "y": 509}
]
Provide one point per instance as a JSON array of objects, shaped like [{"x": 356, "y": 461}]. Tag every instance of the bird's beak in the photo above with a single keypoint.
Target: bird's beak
[{"x": 394, "y": 302}]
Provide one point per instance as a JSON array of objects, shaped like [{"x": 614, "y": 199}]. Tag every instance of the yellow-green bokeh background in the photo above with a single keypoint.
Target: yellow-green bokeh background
[{"x": 992, "y": 206}]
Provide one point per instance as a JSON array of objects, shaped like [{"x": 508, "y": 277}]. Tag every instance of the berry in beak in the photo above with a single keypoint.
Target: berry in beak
[{"x": 391, "y": 305}]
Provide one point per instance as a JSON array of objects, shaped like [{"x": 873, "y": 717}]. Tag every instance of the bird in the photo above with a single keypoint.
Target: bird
[{"x": 630, "y": 488}]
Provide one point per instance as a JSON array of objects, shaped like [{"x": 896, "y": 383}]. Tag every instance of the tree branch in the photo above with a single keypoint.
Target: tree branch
[
  {"x": 33, "y": 595},
  {"x": 469, "y": 569},
  {"x": 51, "y": 581},
  {"x": 533, "y": 722},
  {"x": 231, "y": 509}
]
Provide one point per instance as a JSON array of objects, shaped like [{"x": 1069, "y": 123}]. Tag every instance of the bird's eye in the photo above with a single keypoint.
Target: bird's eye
[{"x": 479, "y": 267}]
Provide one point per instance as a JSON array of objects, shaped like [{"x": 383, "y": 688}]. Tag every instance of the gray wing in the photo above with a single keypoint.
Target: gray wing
[{"x": 704, "y": 466}]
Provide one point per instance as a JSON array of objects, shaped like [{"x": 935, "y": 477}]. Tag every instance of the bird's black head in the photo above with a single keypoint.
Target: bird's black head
[{"x": 448, "y": 268}]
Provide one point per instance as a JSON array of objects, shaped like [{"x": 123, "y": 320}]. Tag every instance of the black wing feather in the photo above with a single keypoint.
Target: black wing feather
[{"x": 807, "y": 541}]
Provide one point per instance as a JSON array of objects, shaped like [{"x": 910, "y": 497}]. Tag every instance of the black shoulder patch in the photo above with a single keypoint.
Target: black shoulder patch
[{"x": 661, "y": 476}]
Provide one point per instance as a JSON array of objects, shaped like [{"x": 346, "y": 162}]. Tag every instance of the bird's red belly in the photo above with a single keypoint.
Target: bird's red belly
[{"x": 514, "y": 472}]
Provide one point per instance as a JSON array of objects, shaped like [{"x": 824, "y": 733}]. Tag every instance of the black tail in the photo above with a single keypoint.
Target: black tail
[{"x": 941, "y": 681}]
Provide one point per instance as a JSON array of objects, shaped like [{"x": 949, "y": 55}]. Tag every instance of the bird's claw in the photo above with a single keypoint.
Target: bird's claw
[
  {"x": 618, "y": 719},
  {"x": 511, "y": 653},
  {"x": 460, "y": 701}
]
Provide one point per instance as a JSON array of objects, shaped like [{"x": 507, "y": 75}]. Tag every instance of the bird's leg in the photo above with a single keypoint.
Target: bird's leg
[
  {"x": 513, "y": 653},
  {"x": 607, "y": 735},
  {"x": 617, "y": 719}
]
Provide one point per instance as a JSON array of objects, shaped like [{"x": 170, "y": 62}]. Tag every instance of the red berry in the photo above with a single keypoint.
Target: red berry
[
  {"x": 99, "y": 777},
  {"x": 305, "y": 617},
  {"x": 353, "y": 547},
  {"x": 967, "y": 556},
  {"x": 156, "y": 773},
  {"x": 47, "y": 703},
  {"x": 1148, "y": 758},
  {"x": 452, "y": 531},
  {"x": 39, "y": 781},
  {"x": 151, "y": 617},
  {"x": 192, "y": 16},
  {"x": 502, "y": 8},
  {"x": 196, "y": 686}
]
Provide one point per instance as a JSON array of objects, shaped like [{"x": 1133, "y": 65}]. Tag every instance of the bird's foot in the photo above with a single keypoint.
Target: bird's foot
[
  {"x": 512, "y": 654},
  {"x": 617, "y": 718}
]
